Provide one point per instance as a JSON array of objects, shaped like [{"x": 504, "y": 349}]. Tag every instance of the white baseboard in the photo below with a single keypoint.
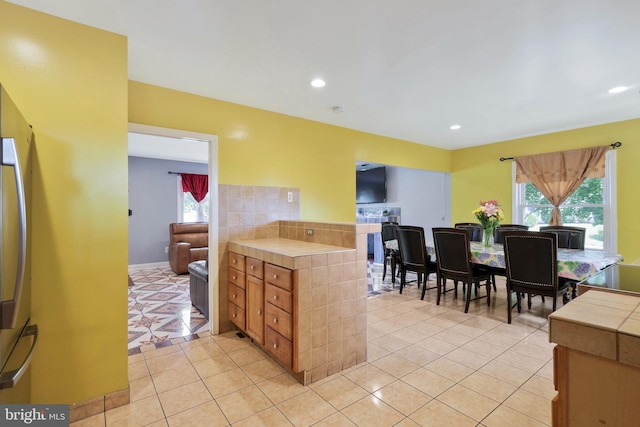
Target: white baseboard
[{"x": 162, "y": 264}]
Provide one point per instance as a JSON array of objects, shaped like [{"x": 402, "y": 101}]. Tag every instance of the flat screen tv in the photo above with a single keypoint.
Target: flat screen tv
[{"x": 371, "y": 186}]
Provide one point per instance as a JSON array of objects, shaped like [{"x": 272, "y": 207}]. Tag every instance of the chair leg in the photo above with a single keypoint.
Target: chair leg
[
  {"x": 509, "y": 305},
  {"x": 440, "y": 285},
  {"x": 467, "y": 296},
  {"x": 393, "y": 269},
  {"x": 384, "y": 264},
  {"x": 403, "y": 274},
  {"x": 489, "y": 293},
  {"x": 529, "y": 301}
]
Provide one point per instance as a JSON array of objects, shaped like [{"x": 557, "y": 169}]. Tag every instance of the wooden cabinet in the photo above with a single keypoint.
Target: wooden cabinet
[
  {"x": 279, "y": 306},
  {"x": 593, "y": 391},
  {"x": 261, "y": 304},
  {"x": 237, "y": 290},
  {"x": 255, "y": 308}
]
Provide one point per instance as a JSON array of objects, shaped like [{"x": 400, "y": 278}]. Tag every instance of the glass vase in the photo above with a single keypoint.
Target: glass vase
[{"x": 487, "y": 236}]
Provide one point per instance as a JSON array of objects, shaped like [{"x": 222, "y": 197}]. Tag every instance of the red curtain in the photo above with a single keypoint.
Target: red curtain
[{"x": 197, "y": 185}]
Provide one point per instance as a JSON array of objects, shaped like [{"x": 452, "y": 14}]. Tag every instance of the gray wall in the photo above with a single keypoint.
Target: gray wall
[
  {"x": 153, "y": 200},
  {"x": 424, "y": 197}
]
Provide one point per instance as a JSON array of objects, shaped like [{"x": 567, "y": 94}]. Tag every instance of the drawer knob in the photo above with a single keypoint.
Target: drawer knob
[
  {"x": 234, "y": 296},
  {"x": 259, "y": 312},
  {"x": 275, "y": 320},
  {"x": 234, "y": 261},
  {"x": 252, "y": 267},
  {"x": 275, "y": 276},
  {"x": 234, "y": 277},
  {"x": 234, "y": 315},
  {"x": 275, "y": 297},
  {"x": 275, "y": 345}
]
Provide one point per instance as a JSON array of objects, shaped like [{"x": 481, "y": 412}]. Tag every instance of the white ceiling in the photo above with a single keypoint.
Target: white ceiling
[{"x": 408, "y": 69}]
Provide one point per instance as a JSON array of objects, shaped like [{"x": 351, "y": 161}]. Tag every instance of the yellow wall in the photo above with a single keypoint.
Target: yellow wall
[
  {"x": 478, "y": 174},
  {"x": 70, "y": 82},
  {"x": 258, "y": 147}
]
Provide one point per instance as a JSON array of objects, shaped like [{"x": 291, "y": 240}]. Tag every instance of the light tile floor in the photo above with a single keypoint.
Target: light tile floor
[{"x": 428, "y": 365}]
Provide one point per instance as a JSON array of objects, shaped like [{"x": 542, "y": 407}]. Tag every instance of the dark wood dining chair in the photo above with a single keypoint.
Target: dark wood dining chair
[
  {"x": 568, "y": 237},
  {"x": 453, "y": 260},
  {"x": 473, "y": 228},
  {"x": 497, "y": 232},
  {"x": 389, "y": 233},
  {"x": 531, "y": 260},
  {"x": 414, "y": 256}
]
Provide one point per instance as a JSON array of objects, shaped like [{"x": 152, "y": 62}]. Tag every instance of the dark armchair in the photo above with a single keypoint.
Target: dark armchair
[
  {"x": 453, "y": 260},
  {"x": 568, "y": 237},
  {"x": 414, "y": 256},
  {"x": 532, "y": 267}
]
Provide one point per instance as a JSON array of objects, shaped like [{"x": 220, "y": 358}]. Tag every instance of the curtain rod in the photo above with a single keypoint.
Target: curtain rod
[
  {"x": 175, "y": 173},
  {"x": 614, "y": 145}
]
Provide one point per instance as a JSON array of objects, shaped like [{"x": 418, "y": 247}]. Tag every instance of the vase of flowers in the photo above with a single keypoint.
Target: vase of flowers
[{"x": 489, "y": 214}]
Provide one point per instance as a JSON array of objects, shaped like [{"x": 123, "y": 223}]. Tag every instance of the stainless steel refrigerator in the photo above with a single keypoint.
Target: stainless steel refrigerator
[{"x": 17, "y": 336}]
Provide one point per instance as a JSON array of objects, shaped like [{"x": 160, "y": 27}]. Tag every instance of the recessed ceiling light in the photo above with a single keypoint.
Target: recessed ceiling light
[
  {"x": 618, "y": 89},
  {"x": 455, "y": 127},
  {"x": 318, "y": 83}
]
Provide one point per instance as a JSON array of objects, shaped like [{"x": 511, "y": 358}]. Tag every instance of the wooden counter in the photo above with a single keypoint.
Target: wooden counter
[{"x": 597, "y": 360}]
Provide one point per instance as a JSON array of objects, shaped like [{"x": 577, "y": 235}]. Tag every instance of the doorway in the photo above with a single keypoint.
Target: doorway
[{"x": 163, "y": 146}]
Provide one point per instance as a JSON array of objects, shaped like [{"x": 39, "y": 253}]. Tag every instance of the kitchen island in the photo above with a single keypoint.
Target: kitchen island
[
  {"x": 304, "y": 303},
  {"x": 596, "y": 360}
]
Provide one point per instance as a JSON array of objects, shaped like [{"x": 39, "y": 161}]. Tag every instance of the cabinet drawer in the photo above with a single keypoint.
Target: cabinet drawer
[
  {"x": 236, "y": 315},
  {"x": 254, "y": 267},
  {"x": 279, "y": 297},
  {"x": 236, "y": 277},
  {"x": 236, "y": 261},
  {"x": 281, "y": 277},
  {"x": 237, "y": 296},
  {"x": 279, "y": 346},
  {"x": 279, "y": 320}
]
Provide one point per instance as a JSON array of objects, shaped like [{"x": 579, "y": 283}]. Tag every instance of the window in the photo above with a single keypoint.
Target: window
[
  {"x": 188, "y": 209},
  {"x": 591, "y": 206}
]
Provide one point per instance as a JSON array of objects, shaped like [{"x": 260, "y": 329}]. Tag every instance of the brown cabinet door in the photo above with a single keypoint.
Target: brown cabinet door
[
  {"x": 279, "y": 320},
  {"x": 280, "y": 347},
  {"x": 279, "y": 297},
  {"x": 237, "y": 296},
  {"x": 255, "y": 308},
  {"x": 237, "y": 316}
]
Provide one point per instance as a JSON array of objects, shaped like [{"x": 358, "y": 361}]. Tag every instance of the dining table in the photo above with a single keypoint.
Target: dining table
[{"x": 573, "y": 264}]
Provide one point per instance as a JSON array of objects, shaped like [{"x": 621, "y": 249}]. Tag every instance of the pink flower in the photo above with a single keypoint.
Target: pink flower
[{"x": 490, "y": 209}]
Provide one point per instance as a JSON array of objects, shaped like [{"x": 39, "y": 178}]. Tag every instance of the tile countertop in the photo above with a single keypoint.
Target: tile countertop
[
  {"x": 601, "y": 323},
  {"x": 293, "y": 254}
]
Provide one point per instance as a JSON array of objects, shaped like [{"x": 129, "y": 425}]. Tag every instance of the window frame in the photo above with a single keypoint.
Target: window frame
[
  {"x": 180, "y": 207},
  {"x": 609, "y": 202}
]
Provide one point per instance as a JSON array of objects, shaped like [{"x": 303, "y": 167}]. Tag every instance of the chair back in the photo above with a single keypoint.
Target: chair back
[
  {"x": 452, "y": 250},
  {"x": 497, "y": 233},
  {"x": 568, "y": 237},
  {"x": 412, "y": 246},
  {"x": 474, "y": 230},
  {"x": 389, "y": 231},
  {"x": 531, "y": 261}
]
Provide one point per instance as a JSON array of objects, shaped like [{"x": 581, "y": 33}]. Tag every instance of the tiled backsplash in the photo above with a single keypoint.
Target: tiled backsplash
[
  {"x": 325, "y": 233},
  {"x": 252, "y": 212}
]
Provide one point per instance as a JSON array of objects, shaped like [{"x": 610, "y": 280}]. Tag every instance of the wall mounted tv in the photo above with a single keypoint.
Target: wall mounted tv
[{"x": 371, "y": 186}]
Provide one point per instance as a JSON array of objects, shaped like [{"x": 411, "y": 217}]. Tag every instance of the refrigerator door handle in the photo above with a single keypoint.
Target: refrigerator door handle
[
  {"x": 8, "y": 309},
  {"x": 10, "y": 378}
]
